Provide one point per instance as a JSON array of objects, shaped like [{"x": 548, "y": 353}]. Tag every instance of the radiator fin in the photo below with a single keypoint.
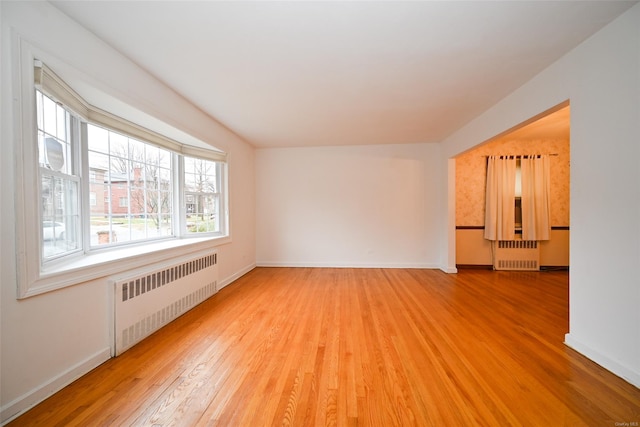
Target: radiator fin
[
  {"x": 517, "y": 244},
  {"x": 137, "y": 286}
]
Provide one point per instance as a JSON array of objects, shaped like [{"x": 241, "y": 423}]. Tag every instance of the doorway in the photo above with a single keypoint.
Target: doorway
[{"x": 549, "y": 134}]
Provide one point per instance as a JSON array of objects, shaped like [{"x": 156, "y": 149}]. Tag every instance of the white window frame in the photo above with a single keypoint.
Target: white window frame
[
  {"x": 35, "y": 278},
  {"x": 218, "y": 194},
  {"x": 127, "y": 196},
  {"x": 72, "y": 161}
]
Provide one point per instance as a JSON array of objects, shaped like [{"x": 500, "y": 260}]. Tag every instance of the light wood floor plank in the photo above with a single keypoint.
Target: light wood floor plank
[{"x": 367, "y": 347}]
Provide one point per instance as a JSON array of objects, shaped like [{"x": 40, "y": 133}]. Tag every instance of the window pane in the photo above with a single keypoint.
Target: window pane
[
  {"x": 190, "y": 182},
  {"x": 54, "y": 139},
  {"x": 137, "y": 151},
  {"x": 100, "y": 227},
  {"x": 165, "y": 177},
  {"x": 165, "y": 206},
  {"x": 159, "y": 225},
  {"x": 189, "y": 164},
  {"x": 99, "y": 164},
  {"x": 118, "y": 145},
  {"x": 136, "y": 191},
  {"x": 49, "y": 116},
  {"x": 59, "y": 186},
  {"x": 62, "y": 125},
  {"x": 119, "y": 168},
  {"x": 151, "y": 155},
  {"x": 200, "y": 184},
  {"x": 98, "y": 139},
  {"x": 164, "y": 159},
  {"x": 138, "y": 199},
  {"x": 60, "y": 218},
  {"x": 120, "y": 226}
]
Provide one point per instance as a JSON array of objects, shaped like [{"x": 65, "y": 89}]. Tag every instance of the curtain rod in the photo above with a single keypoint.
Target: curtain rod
[{"x": 519, "y": 156}]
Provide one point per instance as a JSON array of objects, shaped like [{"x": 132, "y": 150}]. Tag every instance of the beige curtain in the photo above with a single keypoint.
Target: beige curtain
[
  {"x": 499, "y": 220},
  {"x": 535, "y": 198}
]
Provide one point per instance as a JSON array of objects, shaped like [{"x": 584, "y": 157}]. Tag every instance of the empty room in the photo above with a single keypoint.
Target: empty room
[{"x": 319, "y": 213}]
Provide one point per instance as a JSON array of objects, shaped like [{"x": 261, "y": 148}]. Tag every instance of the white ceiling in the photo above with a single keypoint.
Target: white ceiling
[{"x": 337, "y": 73}]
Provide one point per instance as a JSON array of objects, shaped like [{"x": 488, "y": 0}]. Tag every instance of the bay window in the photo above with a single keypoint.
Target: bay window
[{"x": 104, "y": 183}]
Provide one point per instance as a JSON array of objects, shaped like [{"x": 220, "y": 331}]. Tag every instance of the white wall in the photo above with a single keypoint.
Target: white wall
[
  {"x": 361, "y": 206},
  {"x": 601, "y": 78},
  {"x": 50, "y": 339}
]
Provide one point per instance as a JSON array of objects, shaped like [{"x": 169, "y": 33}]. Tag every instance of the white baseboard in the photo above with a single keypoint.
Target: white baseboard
[
  {"x": 344, "y": 265},
  {"x": 609, "y": 364},
  {"x": 449, "y": 270},
  {"x": 224, "y": 282},
  {"x": 28, "y": 400}
]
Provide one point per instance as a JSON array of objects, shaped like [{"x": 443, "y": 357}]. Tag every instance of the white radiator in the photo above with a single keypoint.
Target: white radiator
[
  {"x": 148, "y": 298},
  {"x": 516, "y": 255}
]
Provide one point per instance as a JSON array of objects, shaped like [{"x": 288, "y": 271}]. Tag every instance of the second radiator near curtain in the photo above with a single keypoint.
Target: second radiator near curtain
[{"x": 516, "y": 255}]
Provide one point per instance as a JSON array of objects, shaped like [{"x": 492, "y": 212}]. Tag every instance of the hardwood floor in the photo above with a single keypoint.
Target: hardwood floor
[{"x": 379, "y": 347}]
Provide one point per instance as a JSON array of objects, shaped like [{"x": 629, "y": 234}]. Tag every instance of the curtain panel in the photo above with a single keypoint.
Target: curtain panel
[
  {"x": 500, "y": 198},
  {"x": 536, "y": 188}
]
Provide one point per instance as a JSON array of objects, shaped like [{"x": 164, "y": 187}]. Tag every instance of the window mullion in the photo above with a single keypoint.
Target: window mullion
[
  {"x": 86, "y": 188},
  {"x": 223, "y": 208},
  {"x": 179, "y": 210}
]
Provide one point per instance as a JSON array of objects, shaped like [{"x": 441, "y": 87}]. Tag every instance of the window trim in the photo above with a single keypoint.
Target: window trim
[{"x": 34, "y": 278}]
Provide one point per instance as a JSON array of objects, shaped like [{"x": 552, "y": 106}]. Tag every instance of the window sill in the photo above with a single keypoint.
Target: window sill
[{"x": 108, "y": 262}]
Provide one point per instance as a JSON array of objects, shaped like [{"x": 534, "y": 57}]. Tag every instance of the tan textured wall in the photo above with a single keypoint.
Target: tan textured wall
[{"x": 471, "y": 178}]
